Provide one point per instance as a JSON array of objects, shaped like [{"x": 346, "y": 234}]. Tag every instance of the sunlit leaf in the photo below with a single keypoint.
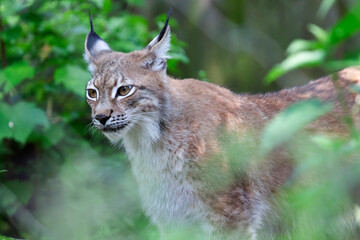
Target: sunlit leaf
[
  {"x": 325, "y": 7},
  {"x": 73, "y": 78},
  {"x": 19, "y": 120},
  {"x": 14, "y": 74},
  {"x": 320, "y": 34},
  {"x": 325, "y": 142},
  {"x": 291, "y": 120},
  {"x": 297, "y": 60},
  {"x": 299, "y": 45}
]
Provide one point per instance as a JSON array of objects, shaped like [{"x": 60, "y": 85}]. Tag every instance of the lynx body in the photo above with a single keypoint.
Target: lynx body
[{"x": 172, "y": 131}]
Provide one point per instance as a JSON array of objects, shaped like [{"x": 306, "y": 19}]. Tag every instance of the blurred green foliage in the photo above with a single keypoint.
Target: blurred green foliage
[
  {"x": 53, "y": 167},
  {"x": 323, "y": 51},
  {"x": 323, "y": 200},
  {"x": 290, "y": 121}
]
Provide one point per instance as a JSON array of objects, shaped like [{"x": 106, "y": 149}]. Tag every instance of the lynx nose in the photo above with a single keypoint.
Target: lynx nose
[{"x": 102, "y": 118}]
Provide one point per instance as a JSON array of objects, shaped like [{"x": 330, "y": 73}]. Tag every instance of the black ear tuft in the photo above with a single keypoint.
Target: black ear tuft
[
  {"x": 161, "y": 35},
  {"x": 91, "y": 23},
  {"x": 92, "y": 37}
]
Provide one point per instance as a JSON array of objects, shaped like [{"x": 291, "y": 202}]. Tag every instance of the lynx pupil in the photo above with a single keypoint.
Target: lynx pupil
[
  {"x": 92, "y": 93},
  {"x": 124, "y": 90}
]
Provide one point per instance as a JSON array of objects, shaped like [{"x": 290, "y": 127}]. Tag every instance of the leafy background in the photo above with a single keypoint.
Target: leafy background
[{"x": 53, "y": 167}]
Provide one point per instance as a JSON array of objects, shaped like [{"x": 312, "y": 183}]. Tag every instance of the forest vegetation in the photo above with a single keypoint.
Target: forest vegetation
[{"x": 60, "y": 179}]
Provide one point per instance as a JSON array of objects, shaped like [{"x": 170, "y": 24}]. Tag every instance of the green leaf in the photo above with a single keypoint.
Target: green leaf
[
  {"x": 355, "y": 88},
  {"x": 8, "y": 8},
  {"x": 98, "y": 3},
  {"x": 73, "y": 78},
  {"x": 14, "y": 74},
  {"x": 297, "y": 60},
  {"x": 107, "y": 7},
  {"x": 202, "y": 76},
  {"x": 22, "y": 189},
  {"x": 8, "y": 200},
  {"x": 53, "y": 135},
  {"x": 320, "y": 34},
  {"x": 336, "y": 65},
  {"x": 11, "y": 34},
  {"x": 284, "y": 125},
  {"x": 299, "y": 45},
  {"x": 19, "y": 120},
  {"x": 136, "y": 3},
  {"x": 346, "y": 27},
  {"x": 325, "y": 7},
  {"x": 5, "y": 130},
  {"x": 6, "y": 238}
]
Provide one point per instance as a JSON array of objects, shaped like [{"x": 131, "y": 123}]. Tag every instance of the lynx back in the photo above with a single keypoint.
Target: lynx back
[{"x": 175, "y": 133}]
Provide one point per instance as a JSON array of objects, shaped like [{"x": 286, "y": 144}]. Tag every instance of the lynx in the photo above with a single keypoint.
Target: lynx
[{"x": 175, "y": 132}]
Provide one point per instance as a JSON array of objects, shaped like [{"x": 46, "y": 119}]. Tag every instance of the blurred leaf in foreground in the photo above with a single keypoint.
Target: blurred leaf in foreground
[
  {"x": 291, "y": 120},
  {"x": 355, "y": 88}
]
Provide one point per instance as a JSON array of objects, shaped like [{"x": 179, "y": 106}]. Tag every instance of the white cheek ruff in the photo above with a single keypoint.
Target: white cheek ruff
[
  {"x": 167, "y": 196},
  {"x": 113, "y": 137}
]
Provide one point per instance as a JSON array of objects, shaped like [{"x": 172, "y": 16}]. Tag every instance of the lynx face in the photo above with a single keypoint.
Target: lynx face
[{"x": 127, "y": 92}]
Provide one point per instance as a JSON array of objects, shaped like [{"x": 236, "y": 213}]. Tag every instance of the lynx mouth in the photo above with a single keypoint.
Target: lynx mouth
[{"x": 114, "y": 128}]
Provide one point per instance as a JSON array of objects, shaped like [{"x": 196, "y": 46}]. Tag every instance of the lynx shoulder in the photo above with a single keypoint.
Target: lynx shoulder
[{"x": 176, "y": 132}]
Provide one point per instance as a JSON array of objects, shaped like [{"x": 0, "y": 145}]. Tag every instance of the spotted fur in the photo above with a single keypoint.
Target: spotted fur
[{"x": 175, "y": 133}]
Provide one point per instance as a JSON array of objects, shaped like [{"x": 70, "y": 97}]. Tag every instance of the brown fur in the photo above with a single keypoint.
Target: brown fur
[
  {"x": 195, "y": 120},
  {"x": 218, "y": 106}
]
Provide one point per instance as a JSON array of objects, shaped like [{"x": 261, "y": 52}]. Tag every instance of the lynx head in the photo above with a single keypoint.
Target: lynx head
[{"x": 127, "y": 91}]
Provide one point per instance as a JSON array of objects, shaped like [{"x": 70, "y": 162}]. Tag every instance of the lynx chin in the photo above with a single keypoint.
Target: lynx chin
[{"x": 177, "y": 133}]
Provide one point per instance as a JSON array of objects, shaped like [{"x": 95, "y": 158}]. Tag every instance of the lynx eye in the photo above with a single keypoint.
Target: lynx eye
[
  {"x": 124, "y": 90},
  {"x": 92, "y": 93}
]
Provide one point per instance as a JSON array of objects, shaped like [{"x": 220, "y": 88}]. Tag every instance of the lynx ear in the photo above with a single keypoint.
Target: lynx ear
[
  {"x": 94, "y": 46},
  {"x": 159, "y": 48}
]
